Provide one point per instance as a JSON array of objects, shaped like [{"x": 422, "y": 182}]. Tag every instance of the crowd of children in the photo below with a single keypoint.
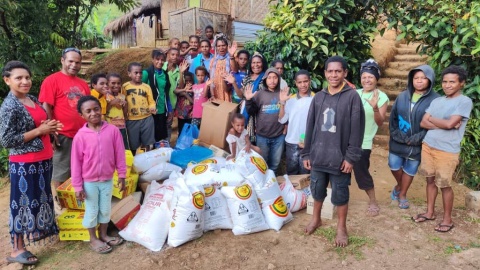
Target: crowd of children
[{"x": 328, "y": 135}]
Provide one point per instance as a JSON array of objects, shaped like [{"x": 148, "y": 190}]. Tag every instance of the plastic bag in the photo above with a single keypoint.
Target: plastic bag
[
  {"x": 186, "y": 223},
  {"x": 252, "y": 166},
  {"x": 149, "y": 227},
  {"x": 188, "y": 134},
  {"x": 144, "y": 161},
  {"x": 217, "y": 215},
  {"x": 200, "y": 174},
  {"x": 295, "y": 199},
  {"x": 244, "y": 209},
  {"x": 274, "y": 208},
  {"x": 159, "y": 172}
]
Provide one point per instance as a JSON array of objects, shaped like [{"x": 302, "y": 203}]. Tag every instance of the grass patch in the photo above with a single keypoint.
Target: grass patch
[
  {"x": 354, "y": 243},
  {"x": 461, "y": 207},
  {"x": 472, "y": 220},
  {"x": 449, "y": 250},
  {"x": 417, "y": 201}
]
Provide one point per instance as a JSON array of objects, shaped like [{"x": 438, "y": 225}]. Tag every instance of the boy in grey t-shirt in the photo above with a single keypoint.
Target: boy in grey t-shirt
[{"x": 445, "y": 119}]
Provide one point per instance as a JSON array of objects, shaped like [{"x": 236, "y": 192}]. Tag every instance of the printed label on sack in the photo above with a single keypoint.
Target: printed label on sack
[
  {"x": 243, "y": 192},
  {"x": 209, "y": 191},
  {"x": 259, "y": 163},
  {"x": 279, "y": 207},
  {"x": 199, "y": 169},
  {"x": 198, "y": 200},
  {"x": 209, "y": 161}
]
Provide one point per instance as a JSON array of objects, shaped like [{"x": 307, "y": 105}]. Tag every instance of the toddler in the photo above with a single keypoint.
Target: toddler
[{"x": 238, "y": 138}]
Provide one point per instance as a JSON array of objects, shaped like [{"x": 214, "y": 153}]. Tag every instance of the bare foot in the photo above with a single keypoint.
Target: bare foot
[
  {"x": 312, "y": 226},
  {"x": 342, "y": 238}
]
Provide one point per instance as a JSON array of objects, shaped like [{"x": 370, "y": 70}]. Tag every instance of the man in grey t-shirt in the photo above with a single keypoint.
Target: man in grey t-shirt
[{"x": 445, "y": 119}]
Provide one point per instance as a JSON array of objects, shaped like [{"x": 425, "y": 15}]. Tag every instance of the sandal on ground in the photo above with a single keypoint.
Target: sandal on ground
[
  {"x": 103, "y": 249},
  {"x": 115, "y": 241},
  {"x": 394, "y": 195},
  {"x": 23, "y": 258},
  {"x": 373, "y": 210},
  {"x": 403, "y": 204},
  {"x": 440, "y": 226},
  {"x": 422, "y": 218}
]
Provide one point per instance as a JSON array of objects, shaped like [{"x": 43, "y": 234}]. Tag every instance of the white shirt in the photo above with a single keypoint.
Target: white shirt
[{"x": 296, "y": 113}]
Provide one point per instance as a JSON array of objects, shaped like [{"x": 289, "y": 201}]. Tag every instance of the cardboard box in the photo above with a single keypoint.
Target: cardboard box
[
  {"x": 300, "y": 181},
  {"x": 130, "y": 186},
  {"x": 218, "y": 152},
  {"x": 216, "y": 118},
  {"x": 75, "y": 235},
  {"x": 124, "y": 210},
  {"x": 129, "y": 162},
  {"x": 143, "y": 186},
  {"x": 71, "y": 219},
  {"x": 66, "y": 196},
  {"x": 328, "y": 209}
]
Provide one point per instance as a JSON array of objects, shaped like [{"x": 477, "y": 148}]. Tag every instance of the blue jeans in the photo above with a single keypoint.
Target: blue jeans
[
  {"x": 409, "y": 166},
  {"x": 293, "y": 160},
  {"x": 272, "y": 149}
]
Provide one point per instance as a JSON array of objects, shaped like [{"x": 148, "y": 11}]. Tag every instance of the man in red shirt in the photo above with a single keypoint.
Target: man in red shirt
[{"x": 59, "y": 94}]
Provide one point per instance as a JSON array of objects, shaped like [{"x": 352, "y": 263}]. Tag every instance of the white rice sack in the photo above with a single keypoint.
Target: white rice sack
[
  {"x": 220, "y": 161},
  {"x": 186, "y": 221},
  {"x": 217, "y": 215},
  {"x": 295, "y": 199},
  {"x": 244, "y": 209},
  {"x": 149, "y": 227},
  {"x": 252, "y": 166},
  {"x": 159, "y": 172},
  {"x": 228, "y": 176},
  {"x": 144, "y": 161},
  {"x": 200, "y": 174},
  {"x": 273, "y": 206}
]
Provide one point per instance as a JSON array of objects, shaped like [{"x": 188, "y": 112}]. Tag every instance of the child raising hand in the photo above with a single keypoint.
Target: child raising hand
[{"x": 237, "y": 137}]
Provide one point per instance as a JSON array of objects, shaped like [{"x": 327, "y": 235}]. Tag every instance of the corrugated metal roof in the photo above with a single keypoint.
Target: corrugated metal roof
[{"x": 243, "y": 32}]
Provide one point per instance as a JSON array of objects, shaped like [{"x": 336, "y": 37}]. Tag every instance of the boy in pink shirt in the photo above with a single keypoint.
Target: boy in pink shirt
[{"x": 97, "y": 150}]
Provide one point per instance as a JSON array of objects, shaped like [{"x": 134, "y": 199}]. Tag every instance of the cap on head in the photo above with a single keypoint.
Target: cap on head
[{"x": 372, "y": 67}]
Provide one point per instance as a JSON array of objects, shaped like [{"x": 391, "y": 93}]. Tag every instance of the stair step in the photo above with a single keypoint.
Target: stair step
[
  {"x": 410, "y": 45},
  {"x": 407, "y": 50},
  {"x": 404, "y": 65},
  {"x": 410, "y": 57},
  {"x": 394, "y": 73},
  {"x": 86, "y": 62},
  {"x": 392, "y": 95},
  {"x": 392, "y": 84}
]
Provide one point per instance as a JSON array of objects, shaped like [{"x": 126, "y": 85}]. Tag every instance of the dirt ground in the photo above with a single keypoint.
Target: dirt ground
[{"x": 388, "y": 241}]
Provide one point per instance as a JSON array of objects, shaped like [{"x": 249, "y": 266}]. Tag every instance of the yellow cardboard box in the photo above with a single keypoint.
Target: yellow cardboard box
[
  {"x": 66, "y": 196},
  {"x": 75, "y": 235},
  {"x": 71, "y": 219},
  {"x": 130, "y": 186},
  {"x": 129, "y": 161}
]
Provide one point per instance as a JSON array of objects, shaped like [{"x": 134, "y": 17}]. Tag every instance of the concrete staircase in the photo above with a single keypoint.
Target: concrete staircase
[{"x": 394, "y": 80}]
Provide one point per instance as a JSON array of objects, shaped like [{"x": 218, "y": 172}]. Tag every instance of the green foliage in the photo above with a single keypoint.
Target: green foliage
[
  {"x": 450, "y": 35},
  {"x": 3, "y": 162},
  {"x": 304, "y": 33}
]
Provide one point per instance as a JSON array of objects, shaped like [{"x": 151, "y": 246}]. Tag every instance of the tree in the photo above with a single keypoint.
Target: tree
[
  {"x": 449, "y": 33},
  {"x": 35, "y": 31},
  {"x": 304, "y": 33}
]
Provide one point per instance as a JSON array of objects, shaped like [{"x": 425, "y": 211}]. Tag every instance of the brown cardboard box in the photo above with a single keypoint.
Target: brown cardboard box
[
  {"x": 216, "y": 122},
  {"x": 328, "y": 209},
  {"x": 124, "y": 210},
  {"x": 66, "y": 196},
  {"x": 300, "y": 181}
]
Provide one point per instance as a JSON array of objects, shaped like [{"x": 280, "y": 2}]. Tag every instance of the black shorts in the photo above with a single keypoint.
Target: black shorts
[
  {"x": 360, "y": 169},
  {"x": 340, "y": 191}
]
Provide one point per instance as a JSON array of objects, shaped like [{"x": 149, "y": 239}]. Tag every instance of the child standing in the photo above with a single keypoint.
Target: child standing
[
  {"x": 264, "y": 104},
  {"x": 97, "y": 151},
  {"x": 99, "y": 90},
  {"x": 117, "y": 106},
  {"x": 237, "y": 137},
  {"x": 446, "y": 119},
  {"x": 236, "y": 78},
  {"x": 203, "y": 58},
  {"x": 183, "y": 111},
  {"x": 141, "y": 106},
  {"x": 200, "y": 94},
  {"x": 174, "y": 43}
]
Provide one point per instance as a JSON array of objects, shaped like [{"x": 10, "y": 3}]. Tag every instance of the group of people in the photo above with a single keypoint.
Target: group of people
[{"x": 76, "y": 131}]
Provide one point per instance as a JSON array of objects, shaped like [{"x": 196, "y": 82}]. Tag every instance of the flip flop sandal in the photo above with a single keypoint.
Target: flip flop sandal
[
  {"x": 23, "y": 258},
  {"x": 394, "y": 195},
  {"x": 439, "y": 226},
  {"x": 118, "y": 241},
  {"x": 422, "y": 218},
  {"x": 103, "y": 249},
  {"x": 403, "y": 204}
]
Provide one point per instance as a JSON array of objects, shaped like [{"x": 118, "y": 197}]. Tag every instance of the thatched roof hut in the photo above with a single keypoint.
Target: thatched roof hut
[{"x": 127, "y": 19}]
